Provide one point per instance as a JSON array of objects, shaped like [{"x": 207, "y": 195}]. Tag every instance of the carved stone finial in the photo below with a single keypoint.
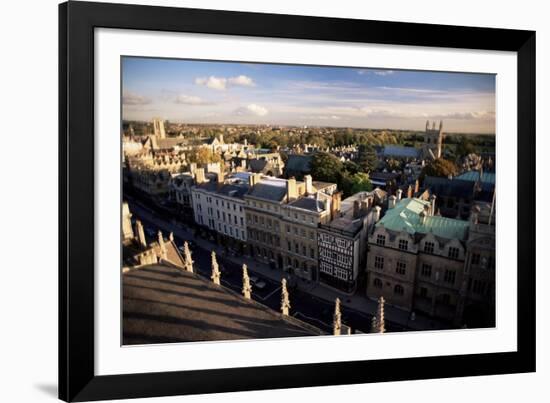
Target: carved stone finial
[
  {"x": 187, "y": 256},
  {"x": 216, "y": 275},
  {"x": 337, "y": 322},
  {"x": 285, "y": 302},
  {"x": 247, "y": 288}
]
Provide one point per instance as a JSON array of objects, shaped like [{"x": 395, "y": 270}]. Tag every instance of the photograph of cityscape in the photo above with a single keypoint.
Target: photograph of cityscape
[{"x": 273, "y": 200}]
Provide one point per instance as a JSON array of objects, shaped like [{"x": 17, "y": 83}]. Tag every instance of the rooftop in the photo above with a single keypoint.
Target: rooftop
[
  {"x": 309, "y": 203},
  {"x": 405, "y": 216},
  {"x": 473, "y": 176},
  {"x": 166, "y": 305},
  {"x": 401, "y": 152}
]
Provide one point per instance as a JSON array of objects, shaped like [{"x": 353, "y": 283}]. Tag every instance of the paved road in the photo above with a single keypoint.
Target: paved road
[{"x": 304, "y": 306}]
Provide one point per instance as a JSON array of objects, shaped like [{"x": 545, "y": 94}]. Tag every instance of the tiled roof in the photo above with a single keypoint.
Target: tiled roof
[
  {"x": 405, "y": 216},
  {"x": 162, "y": 304}
]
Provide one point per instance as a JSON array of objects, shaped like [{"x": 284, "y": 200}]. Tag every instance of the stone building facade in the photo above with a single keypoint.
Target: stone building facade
[
  {"x": 219, "y": 206},
  {"x": 416, "y": 259}
]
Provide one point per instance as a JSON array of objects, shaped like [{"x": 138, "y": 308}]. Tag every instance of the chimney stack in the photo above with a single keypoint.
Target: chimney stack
[
  {"x": 377, "y": 213},
  {"x": 391, "y": 201},
  {"x": 416, "y": 187},
  {"x": 253, "y": 179},
  {"x": 199, "y": 176},
  {"x": 221, "y": 177},
  {"x": 399, "y": 194},
  {"x": 291, "y": 191},
  {"x": 335, "y": 204},
  {"x": 423, "y": 214},
  {"x": 432, "y": 203},
  {"x": 309, "y": 184},
  {"x": 356, "y": 206},
  {"x": 410, "y": 192}
]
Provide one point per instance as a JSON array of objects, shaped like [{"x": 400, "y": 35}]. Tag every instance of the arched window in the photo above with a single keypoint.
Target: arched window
[
  {"x": 377, "y": 283},
  {"x": 398, "y": 289}
]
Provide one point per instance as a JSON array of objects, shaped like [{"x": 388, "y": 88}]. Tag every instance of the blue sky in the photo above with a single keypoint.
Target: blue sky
[{"x": 230, "y": 92}]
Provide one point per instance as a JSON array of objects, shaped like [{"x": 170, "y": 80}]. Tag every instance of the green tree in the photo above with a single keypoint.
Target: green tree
[
  {"x": 326, "y": 167},
  {"x": 366, "y": 158},
  {"x": 360, "y": 182},
  {"x": 439, "y": 167},
  {"x": 464, "y": 147}
]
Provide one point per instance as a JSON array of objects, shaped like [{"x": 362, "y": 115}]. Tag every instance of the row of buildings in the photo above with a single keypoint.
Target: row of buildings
[{"x": 428, "y": 249}]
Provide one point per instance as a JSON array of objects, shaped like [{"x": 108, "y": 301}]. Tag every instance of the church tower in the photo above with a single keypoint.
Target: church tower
[
  {"x": 433, "y": 140},
  {"x": 158, "y": 126}
]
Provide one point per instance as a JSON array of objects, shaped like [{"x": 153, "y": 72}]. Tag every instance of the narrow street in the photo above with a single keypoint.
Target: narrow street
[{"x": 304, "y": 306}]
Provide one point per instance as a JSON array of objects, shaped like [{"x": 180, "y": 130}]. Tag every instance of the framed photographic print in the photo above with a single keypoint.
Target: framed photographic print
[{"x": 258, "y": 201}]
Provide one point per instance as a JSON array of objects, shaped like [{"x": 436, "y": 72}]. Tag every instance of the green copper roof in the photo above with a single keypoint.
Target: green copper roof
[
  {"x": 405, "y": 216},
  {"x": 473, "y": 176}
]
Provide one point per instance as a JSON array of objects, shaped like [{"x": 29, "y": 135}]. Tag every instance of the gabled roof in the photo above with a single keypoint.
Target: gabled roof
[{"x": 405, "y": 216}]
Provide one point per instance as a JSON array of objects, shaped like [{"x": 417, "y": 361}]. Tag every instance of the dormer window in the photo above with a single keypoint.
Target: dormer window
[
  {"x": 403, "y": 244},
  {"x": 429, "y": 247},
  {"x": 381, "y": 240},
  {"x": 453, "y": 253}
]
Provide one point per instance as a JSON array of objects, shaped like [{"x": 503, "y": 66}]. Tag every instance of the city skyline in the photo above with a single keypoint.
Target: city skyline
[{"x": 211, "y": 92}]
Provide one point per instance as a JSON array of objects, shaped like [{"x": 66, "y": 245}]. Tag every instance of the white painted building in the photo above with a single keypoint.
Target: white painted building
[{"x": 219, "y": 206}]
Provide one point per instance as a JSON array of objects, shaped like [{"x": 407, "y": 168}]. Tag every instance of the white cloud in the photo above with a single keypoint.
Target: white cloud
[
  {"x": 245, "y": 81},
  {"x": 251, "y": 110},
  {"x": 189, "y": 100},
  {"x": 488, "y": 115},
  {"x": 221, "y": 83},
  {"x": 130, "y": 98},
  {"x": 216, "y": 83}
]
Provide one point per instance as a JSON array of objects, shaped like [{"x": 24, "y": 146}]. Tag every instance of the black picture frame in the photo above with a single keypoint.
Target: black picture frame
[{"x": 77, "y": 21}]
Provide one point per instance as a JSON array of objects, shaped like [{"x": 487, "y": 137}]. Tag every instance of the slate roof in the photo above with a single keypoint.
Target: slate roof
[
  {"x": 257, "y": 165},
  {"x": 309, "y": 203},
  {"x": 268, "y": 192},
  {"x": 228, "y": 189},
  {"x": 401, "y": 152},
  {"x": 298, "y": 163},
  {"x": 405, "y": 216},
  {"x": 473, "y": 176},
  {"x": 162, "y": 304},
  {"x": 445, "y": 187}
]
